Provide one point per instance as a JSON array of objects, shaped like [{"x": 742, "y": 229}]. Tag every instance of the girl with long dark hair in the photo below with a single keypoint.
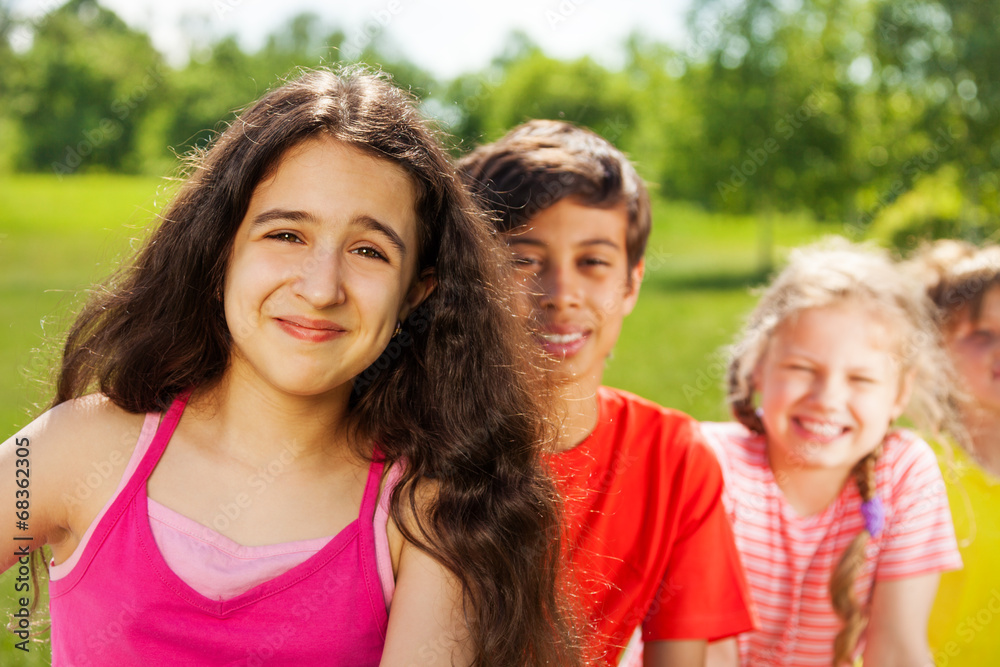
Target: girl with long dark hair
[{"x": 306, "y": 404}]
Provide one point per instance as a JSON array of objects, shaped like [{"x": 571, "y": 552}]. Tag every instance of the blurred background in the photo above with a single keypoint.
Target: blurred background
[{"x": 759, "y": 125}]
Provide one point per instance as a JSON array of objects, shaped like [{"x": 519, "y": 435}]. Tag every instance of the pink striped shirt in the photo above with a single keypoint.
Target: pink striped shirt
[{"x": 789, "y": 559}]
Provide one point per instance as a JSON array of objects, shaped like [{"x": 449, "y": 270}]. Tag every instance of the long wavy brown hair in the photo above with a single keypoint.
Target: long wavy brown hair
[
  {"x": 453, "y": 395},
  {"x": 822, "y": 275}
]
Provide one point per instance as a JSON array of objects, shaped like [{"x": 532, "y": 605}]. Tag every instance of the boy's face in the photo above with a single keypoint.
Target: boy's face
[{"x": 577, "y": 285}]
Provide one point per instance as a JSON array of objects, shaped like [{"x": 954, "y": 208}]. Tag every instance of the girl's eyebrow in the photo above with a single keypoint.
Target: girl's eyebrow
[
  {"x": 281, "y": 214},
  {"x": 385, "y": 230},
  {"x": 363, "y": 220}
]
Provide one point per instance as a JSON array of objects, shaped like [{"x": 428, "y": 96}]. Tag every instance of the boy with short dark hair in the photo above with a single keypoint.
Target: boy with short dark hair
[{"x": 649, "y": 548}]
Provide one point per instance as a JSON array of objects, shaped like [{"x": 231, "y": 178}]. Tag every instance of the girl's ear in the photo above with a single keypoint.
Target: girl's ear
[
  {"x": 420, "y": 290},
  {"x": 906, "y": 383}
]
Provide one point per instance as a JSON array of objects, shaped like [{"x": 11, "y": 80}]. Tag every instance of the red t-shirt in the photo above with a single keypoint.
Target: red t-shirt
[{"x": 647, "y": 536}]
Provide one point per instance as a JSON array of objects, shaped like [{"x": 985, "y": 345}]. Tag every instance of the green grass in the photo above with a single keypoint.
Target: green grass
[{"x": 57, "y": 237}]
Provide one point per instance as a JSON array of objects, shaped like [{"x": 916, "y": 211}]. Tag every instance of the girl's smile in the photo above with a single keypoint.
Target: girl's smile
[
  {"x": 829, "y": 387},
  {"x": 322, "y": 268},
  {"x": 307, "y": 329}
]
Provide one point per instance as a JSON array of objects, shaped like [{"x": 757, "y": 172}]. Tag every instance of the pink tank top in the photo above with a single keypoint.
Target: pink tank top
[{"x": 121, "y": 604}]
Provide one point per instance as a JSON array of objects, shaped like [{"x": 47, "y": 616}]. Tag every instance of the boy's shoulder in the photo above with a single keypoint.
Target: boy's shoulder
[
  {"x": 618, "y": 403},
  {"x": 644, "y": 429}
]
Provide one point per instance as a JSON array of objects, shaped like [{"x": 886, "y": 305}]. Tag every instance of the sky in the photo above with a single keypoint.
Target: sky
[{"x": 446, "y": 37}]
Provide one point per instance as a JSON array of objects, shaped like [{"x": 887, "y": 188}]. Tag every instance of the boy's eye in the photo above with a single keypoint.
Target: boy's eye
[
  {"x": 287, "y": 237},
  {"x": 594, "y": 261},
  {"x": 862, "y": 379}
]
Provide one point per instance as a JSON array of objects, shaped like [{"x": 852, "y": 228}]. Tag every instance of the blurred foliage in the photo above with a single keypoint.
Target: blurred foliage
[
  {"x": 837, "y": 109},
  {"x": 936, "y": 208},
  {"x": 80, "y": 92}
]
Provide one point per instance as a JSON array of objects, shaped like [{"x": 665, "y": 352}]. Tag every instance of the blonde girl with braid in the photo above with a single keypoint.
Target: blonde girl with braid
[{"x": 841, "y": 519}]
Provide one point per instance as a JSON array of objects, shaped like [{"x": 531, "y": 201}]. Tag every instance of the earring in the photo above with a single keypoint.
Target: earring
[{"x": 399, "y": 329}]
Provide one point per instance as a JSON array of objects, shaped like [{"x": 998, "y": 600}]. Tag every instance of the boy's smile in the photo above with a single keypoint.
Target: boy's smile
[{"x": 577, "y": 284}]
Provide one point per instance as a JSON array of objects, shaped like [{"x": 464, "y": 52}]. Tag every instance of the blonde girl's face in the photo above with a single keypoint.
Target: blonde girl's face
[
  {"x": 829, "y": 385},
  {"x": 974, "y": 348}
]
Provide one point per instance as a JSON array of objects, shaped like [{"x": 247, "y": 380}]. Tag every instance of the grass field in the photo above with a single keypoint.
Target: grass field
[{"x": 58, "y": 236}]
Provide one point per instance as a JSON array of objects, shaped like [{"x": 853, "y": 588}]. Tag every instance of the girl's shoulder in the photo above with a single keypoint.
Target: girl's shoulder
[
  {"x": 85, "y": 426},
  {"x": 907, "y": 464},
  {"x": 74, "y": 455},
  {"x": 736, "y": 447},
  {"x": 81, "y": 447},
  {"x": 732, "y": 438},
  {"x": 904, "y": 449}
]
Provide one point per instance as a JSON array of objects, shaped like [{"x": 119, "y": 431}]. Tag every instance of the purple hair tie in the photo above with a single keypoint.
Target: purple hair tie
[{"x": 874, "y": 513}]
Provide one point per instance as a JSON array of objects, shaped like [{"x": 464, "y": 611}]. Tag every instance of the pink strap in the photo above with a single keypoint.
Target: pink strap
[{"x": 383, "y": 558}]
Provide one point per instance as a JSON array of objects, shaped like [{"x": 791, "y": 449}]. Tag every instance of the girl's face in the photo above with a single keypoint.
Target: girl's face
[
  {"x": 974, "y": 348},
  {"x": 322, "y": 267},
  {"x": 829, "y": 387}
]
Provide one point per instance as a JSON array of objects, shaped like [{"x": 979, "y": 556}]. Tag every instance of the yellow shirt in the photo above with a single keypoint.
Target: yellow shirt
[{"x": 964, "y": 627}]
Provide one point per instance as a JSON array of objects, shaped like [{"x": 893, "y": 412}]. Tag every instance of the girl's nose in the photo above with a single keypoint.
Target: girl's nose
[
  {"x": 320, "y": 279},
  {"x": 830, "y": 390}
]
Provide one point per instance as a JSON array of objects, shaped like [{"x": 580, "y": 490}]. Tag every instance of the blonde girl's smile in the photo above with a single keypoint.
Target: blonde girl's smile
[{"x": 829, "y": 387}]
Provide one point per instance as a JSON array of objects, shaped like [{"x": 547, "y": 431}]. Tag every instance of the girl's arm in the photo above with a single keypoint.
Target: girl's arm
[
  {"x": 31, "y": 470},
  {"x": 897, "y": 627},
  {"x": 426, "y": 624},
  {"x": 57, "y": 472},
  {"x": 681, "y": 653}
]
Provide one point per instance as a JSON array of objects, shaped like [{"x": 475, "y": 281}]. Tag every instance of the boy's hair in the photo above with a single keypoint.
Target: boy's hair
[
  {"x": 957, "y": 275},
  {"x": 450, "y": 396},
  {"x": 541, "y": 162},
  {"x": 826, "y": 274}
]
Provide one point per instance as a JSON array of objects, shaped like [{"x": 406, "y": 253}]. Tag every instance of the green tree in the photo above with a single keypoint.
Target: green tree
[
  {"x": 939, "y": 59},
  {"x": 777, "y": 92},
  {"x": 532, "y": 85},
  {"x": 87, "y": 81}
]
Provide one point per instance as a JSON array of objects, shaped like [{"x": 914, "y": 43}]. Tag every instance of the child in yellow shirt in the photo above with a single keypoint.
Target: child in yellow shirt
[{"x": 964, "y": 282}]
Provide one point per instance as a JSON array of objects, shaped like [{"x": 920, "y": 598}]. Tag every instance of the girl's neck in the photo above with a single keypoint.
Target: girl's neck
[
  {"x": 258, "y": 421},
  {"x": 808, "y": 491},
  {"x": 984, "y": 432}
]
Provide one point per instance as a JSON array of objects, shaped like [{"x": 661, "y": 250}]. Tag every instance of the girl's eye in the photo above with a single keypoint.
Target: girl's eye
[
  {"x": 287, "y": 237},
  {"x": 862, "y": 379},
  {"x": 368, "y": 251},
  {"x": 526, "y": 262},
  {"x": 982, "y": 336},
  {"x": 799, "y": 368}
]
